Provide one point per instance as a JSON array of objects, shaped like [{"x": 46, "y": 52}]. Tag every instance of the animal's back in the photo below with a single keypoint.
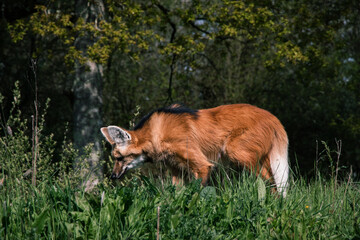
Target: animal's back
[
  {"x": 222, "y": 124},
  {"x": 215, "y": 128}
]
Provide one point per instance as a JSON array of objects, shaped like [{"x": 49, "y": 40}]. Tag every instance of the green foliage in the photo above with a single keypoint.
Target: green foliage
[
  {"x": 214, "y": 212},
  {"x": 17, "y": 150},
  {"x": 49, "y": 23},
  {"x": 130, "y": 26},
  {"x": 15, "y": 145}
]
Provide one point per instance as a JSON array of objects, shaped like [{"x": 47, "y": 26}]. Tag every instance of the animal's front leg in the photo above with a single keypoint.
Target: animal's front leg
[
  {"x": 177, "y": 178},
  {"x": 204, "y": 173},
  {"x": 197, "y": 163}
]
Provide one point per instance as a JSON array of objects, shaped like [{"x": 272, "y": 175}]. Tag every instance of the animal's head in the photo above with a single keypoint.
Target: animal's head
[{"x": 127, "y": 156}]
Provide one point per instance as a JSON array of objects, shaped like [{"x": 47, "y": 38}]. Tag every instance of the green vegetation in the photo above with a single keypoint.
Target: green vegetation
[{"x": 238, "y": 209}]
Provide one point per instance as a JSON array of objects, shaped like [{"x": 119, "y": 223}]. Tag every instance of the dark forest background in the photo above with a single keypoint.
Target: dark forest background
[{"x": 110, "y": 62}]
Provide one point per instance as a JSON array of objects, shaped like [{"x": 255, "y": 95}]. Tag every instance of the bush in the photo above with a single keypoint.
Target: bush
[{"x": 23, "y": 145}]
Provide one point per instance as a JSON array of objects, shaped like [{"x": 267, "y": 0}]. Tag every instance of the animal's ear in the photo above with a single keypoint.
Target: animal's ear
[{"x": 115, "y": 134}]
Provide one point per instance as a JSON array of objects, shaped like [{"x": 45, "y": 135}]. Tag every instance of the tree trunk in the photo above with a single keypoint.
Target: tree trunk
[{"x": 88, "y": 97}]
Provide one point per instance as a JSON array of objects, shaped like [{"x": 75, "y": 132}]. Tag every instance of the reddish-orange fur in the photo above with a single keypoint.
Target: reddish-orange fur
[{"x": 241, "y": 133}]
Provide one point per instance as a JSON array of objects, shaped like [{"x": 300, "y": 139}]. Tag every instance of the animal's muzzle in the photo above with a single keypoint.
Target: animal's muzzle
[
  {"x": 118, "y": 175},
  {"x": 114, "y": 176}
]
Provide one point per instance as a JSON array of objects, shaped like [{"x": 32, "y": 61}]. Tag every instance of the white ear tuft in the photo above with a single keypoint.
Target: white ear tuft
[{"x": 118, "y": 135}]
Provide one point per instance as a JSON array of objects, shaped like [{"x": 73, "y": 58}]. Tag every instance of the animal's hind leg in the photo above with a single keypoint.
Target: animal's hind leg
[
  {"x": 252, "y": 160},
  {"x": 265, "y": 169},
  {"x": 245, "y": 151}
]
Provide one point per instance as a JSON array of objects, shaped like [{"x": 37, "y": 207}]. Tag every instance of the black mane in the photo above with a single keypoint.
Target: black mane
[{"x": 172, "y": 109}]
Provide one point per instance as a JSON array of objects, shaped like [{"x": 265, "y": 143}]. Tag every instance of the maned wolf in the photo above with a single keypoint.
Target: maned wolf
[{"x": 196, "y": 139}]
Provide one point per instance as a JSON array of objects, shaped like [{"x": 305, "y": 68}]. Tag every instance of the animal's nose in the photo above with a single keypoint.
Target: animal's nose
[{"x": 113, "y": 176}]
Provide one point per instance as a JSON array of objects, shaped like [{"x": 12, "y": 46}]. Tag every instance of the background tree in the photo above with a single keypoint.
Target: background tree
[{"x": 88, "y": 91}]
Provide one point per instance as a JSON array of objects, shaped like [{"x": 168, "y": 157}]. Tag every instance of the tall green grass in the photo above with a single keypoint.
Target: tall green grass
[{"x": 242, "y": 208}]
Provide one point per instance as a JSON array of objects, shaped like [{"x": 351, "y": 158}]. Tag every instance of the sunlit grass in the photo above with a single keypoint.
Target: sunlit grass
[{"x": 234, "y": 208}]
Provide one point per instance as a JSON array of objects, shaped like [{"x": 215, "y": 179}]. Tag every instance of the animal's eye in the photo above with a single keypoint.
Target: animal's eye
[{"x": 120, "y": 158}]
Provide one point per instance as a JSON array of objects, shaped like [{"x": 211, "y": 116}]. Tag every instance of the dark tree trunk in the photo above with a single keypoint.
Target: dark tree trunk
[{"x": 88, "y": 96}]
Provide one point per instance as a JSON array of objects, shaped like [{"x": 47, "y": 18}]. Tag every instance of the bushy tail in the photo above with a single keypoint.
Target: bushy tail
[{"x": 279, "y": 163}]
